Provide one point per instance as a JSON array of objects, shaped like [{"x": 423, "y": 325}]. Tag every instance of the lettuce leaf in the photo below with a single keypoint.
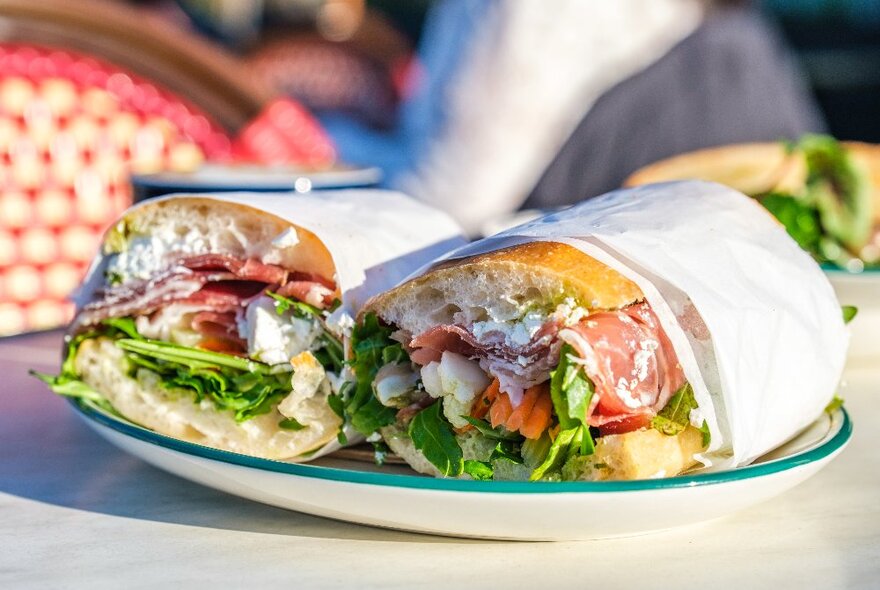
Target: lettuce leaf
[
  {"x": 479, "y": 470},
  {"x": 291, "y": 424},
  {"x": 194, "y": 358},
  {"x": 832, "y": 216},
  {"x": 67, "y": 383},
  {"x": 507, "y": 450},
  {"x": 566, "y": 444},
  {"x": 675, "y": 416},
  {"x": 707, "y": 436},
  {"x": 839, "y": 191},
  {"x": 245, "y": 387},
  {"x": 834, "y": 404},
  {"x": 571, "y": 391},
  {"x": 74, "y": 389},
  {"x": 800, "y": 220},
  {"x": 434, "y": 437},
  {"x": 486, "y": 430},
  {"x": 372, "y": 348},
  {"x": 372, "y": 416}
]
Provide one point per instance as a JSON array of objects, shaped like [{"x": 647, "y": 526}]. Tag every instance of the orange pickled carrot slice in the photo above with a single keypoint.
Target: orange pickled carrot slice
[
  {"x": 540, "y": 417},
  {"x": 500, "y": 411},
  {"x": 519, "y": 415},
  {"x": 484, "y": 400}
]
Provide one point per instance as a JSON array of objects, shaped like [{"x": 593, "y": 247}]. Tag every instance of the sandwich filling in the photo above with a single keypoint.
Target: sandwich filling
[
  {"x": 239, "y": 335},
  {"x": 527, "y": 398}
]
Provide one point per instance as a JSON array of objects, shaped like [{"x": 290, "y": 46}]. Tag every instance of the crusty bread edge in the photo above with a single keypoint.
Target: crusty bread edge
[
  {"x": 308, "y": 240},
  {"x": 588, "y": 281}
]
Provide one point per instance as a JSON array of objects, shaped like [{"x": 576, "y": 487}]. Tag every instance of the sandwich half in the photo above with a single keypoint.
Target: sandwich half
[
  {"x": 532, "y": 362},
  {"x": 225, "y": 324}
]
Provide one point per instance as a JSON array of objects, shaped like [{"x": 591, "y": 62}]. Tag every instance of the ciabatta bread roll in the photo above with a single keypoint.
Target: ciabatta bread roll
[{"x": 224, "y": 321}]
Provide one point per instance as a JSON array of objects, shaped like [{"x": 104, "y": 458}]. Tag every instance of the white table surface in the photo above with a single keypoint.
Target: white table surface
[{"x": 76, "y": 512}]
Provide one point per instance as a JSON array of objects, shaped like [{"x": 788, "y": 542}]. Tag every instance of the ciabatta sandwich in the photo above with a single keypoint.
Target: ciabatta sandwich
[
  {"x": 224, "y": 320},
  {"x": 636, "y": 336}
]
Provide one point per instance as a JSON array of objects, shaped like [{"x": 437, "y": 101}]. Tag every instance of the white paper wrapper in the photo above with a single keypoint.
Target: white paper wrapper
[
  {"x": 754, "y": 321},
  {"x": 375, "y": 237}
]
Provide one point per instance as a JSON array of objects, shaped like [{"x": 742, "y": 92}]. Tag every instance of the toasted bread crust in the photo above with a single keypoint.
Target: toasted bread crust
[
  {"x": 554, "y": 269},
  {"x": 311, "y": 255},
  {"x": 592, "y": 280}
]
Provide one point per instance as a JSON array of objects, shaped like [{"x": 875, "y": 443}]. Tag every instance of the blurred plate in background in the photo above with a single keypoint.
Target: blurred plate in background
[{"x": 234, "y": 178}]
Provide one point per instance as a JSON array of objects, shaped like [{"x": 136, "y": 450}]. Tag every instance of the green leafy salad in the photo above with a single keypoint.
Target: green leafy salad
[
  {"x": 832, "y": 215},
  {"x": 243, "y": 387}
]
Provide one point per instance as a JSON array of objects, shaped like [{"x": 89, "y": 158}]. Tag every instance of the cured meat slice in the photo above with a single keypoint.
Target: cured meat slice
[
  {"x": 143, "y": 297},
  {"x": 310, "y": 288},
  {"x": 213, "y": 282},
  {"x": 630, "y": 361},
  {"x": 219, "y": 329},
  {"x": 625, "y": 353},
  {"x": 248, "y": 270}
]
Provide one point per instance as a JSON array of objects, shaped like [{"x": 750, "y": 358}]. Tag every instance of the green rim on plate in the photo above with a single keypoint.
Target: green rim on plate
[
  {"x": 811, "y": 455},
  {"x": 834, "y": 270}
]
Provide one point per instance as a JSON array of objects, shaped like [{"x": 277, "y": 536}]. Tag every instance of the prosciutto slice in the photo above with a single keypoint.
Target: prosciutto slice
[
  {"x": 219, "y": 331},
  {"x": 217, "y": 283},
  {"x": 144, "y": 297},
  {"x": 247, "y": 270},
  {"x": 625, "y": 353},
  {"x": 629, "y": 359},
  {"x": 309, "y": 288}
]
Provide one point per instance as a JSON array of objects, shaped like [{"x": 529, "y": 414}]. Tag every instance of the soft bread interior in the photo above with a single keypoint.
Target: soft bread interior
[
  {"x": 402, "y": 445},
  {"x": 641, "y": 454},
  {"x": 753, "y": 168},
  {"x": 228, "y": 228},
  {"x": 502, "y": 285},
  {"x": 143, "y": 400}
]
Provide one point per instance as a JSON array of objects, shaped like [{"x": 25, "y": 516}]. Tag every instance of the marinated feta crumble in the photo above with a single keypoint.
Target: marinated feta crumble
[{"x": 275, "y": 339}]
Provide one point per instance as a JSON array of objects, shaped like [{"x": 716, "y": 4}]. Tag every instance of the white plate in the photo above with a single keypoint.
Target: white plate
[
  {"x": 394, "y": 497},
  {"x": 229, "y": 178},
  {"x": 862, "y": 290}
]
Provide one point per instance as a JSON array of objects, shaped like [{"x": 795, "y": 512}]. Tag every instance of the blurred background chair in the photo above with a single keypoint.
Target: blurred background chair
[{"x": 91, "y": 92}]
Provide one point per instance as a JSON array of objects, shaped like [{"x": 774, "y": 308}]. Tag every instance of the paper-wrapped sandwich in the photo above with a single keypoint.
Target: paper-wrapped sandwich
[
  {"x": 634, "y": 336},
  {"x": 224, "y": 320}
]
